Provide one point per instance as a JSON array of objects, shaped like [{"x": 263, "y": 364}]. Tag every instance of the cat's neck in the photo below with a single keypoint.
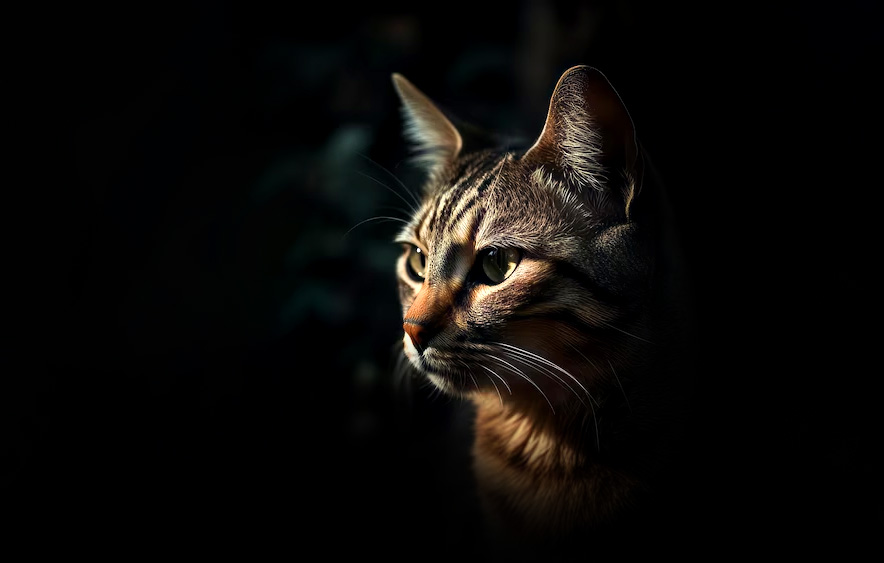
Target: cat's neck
[
  {"x": 528, "y": 439},
  {"x": 537, "y": 475}
]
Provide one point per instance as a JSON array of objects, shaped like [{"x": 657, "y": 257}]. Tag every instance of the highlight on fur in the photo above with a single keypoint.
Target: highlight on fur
[{"x": 572, "y": 358}]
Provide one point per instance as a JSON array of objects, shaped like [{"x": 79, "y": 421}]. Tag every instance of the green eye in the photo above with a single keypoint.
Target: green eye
[
  {"x": 416, "y": 263},
  {"x": 498, "y": 263}
]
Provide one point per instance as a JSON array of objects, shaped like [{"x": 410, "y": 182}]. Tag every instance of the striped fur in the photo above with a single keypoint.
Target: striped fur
[{"x": 556, "y": 357}]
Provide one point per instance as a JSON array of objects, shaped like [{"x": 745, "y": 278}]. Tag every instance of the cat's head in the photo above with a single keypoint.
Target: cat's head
[{"x": 524, "y": 274}]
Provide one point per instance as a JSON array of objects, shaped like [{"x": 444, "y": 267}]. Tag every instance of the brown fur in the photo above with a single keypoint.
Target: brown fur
[
  {"x": 534, "y": 483},
  {"x": 574, "y": 364}
]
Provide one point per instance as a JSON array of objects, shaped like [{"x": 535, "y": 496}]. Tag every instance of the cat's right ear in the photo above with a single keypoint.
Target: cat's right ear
[
  {"x": 437, "y": 141},
  {"x": 589, "y": 140}
]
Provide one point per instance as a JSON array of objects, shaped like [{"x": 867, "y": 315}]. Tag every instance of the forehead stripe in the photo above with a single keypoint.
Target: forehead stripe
[
  {"x": 456, "y": 194},
  {"x": 469, "y": 173},
  {"x": 468, "y": 201},
  {"x": 463, "y": 211},
  {"x": 449, "y": 195},
  {"x": 432, "y": 224},
  {"x": 432, "y": 220}
]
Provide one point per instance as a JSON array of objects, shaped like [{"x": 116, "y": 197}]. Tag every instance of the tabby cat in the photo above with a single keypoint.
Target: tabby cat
[{"x": 544, "y": 285}]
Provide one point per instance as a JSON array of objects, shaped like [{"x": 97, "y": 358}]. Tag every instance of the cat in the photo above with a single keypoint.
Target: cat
[{"x": 544, "y": 285}]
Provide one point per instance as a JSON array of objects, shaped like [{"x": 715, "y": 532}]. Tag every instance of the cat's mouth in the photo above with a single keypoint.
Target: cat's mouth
[
  {"x": 428, "y": 361},
  {"x": 438, "y": 366},
  {"x": 505, "y": 369}
]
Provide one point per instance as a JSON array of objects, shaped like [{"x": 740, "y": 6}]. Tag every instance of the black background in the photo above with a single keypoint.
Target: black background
[{"x": 199, "y": 349}]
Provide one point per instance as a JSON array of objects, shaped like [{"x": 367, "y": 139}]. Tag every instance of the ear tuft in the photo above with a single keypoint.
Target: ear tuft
[
  {"x": 436, "y": 140},
  {"x": 588, "y": 138}
]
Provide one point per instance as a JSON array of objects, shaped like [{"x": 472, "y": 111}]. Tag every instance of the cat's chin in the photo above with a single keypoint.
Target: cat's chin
[
  {"x": 446, "y": 384},
  {"x": 459, "y": 385}
]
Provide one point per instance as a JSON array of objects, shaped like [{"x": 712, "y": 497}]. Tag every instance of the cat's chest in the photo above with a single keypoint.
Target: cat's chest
[{"x": 530, "y": 482}]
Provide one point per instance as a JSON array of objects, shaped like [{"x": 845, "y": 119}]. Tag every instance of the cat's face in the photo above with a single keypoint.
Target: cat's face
[
  {"x": 487, "y": 283},
  {"x": 513, "y": 282}
]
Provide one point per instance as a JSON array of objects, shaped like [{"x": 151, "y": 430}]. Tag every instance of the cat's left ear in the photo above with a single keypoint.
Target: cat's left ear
[
  {"x": 588, "y": 140},
  {"x": 437, "y": 141}
]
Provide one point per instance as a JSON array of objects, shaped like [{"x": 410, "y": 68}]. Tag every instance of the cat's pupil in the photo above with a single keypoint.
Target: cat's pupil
[
  {"x": 416, "y": 263},
  {"x": 498, "y": 263}
]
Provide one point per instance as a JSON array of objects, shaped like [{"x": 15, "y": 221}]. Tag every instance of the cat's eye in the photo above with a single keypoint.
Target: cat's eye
[
  {"x": 416, "y": 263},
  {"x": 498, "y": 263}
]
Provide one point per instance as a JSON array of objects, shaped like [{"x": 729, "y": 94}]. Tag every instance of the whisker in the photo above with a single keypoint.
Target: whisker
[
  {"x": 620, "y": 385},
  {"x": 411, "y": 205},
  {"x": 470, "y": 373},
  {"x": 401, "y": 383},
  {"x": 476, "y": 383},
  {"x": 537, "y": 366},
  {"x": 521, "y": 374},
  {"x": 399, "y": 370},
  {"x": 502, "y": 380},
  {"x": 627, "y": 333},
  {"x": 496, "y": 388},
  {"x": 595, "y": 367},
  {"x": 594, "y": 419},
  {"x": 529, "y": 362},
  {"x": 539, "y": 358},
  {"x": 435, "y": 392},
  {"x": 404, "y": 212},
  {"x": 527, "y": 354},
  {"x": 398, "y": 181},
  {"x": 380, "y": 218}
]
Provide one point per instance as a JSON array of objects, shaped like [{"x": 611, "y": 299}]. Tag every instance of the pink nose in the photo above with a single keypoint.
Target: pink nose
[
  {"x": 425, "y": 317},
  {"x": 419, "y": 332}
]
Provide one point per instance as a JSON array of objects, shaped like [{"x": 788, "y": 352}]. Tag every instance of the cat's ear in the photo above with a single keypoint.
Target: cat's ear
[
  {"x": 437, "y": 141},
  {"x": 588, "y": 139}
]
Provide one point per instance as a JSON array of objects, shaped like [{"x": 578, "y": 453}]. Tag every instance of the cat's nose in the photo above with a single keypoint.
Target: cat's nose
[
  {"x": 425, "y": 317},
  {"x": 419, "y": 332}
]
